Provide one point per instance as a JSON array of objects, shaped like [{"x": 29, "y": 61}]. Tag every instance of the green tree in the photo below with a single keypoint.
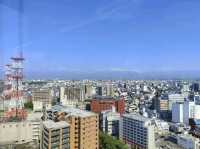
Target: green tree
[
  {"x": 108, "y": 142},
  {"x": 28, "y": 105}
]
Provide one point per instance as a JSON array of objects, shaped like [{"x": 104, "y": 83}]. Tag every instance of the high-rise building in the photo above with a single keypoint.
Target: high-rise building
[
  {"x": 173, "y": 98},
  {"x": 99, "y": 91},
  {"x": 84, "y": 126},
  {"x": 137, "y": 131},
  {"x": 177, "y": 112},
  {"x": 190, "y": 111},
  {"x": 41, "y": 98},
  {"x": 70, "y": 94},
  {"x": 195, "y": 87},
  {"x": 161, "y": 105},
  {"x": 89, "y": 91},
  {"x": 109, "y": 122},
  {"x": 109, "y": 90},
  {"x": 105, "y": 90},
  {"x": 55, "y": 135},
  {"x": 1, "y": 86},
  {"x": 102, "y": 103},
  {"x": 185, "y": 88}
]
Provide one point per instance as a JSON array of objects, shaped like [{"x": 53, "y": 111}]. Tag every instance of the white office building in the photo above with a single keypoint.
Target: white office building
[
  {"x": 174, "y": 98},
  {"x": 177, "y": 112},
  {"x": 110, "y": 122},
  {"x": 188, "y": 142},
  {"x": 137, "y": 131},
  {"x": 190, "y": 110}
]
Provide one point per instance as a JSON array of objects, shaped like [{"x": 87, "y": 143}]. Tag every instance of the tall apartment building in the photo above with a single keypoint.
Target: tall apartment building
[
  {"x": 109, "y": 122},
  {"x": 99, "y": 91},
  {"x": 173, "y": 98},
  {"x": 185, "y": 88},
  {"x": 40, "y": 98},
  {"x": 109, "y": 90},
  {"x": 102, "y": 103},
  {"x": 35, "y": 119},
  {"x": 190, "y": 111},
  {"x": 188, "y": 108},
  {"x": 161, "y": 104},
  {"x": 71, "y": 94},
  {"x": 1, "y": 86},
  {"x": 55, "y": 135},
  {"x": 89, "y": 91},
  {"x": 195, "y": 87},
  {"x": 105, "y": 90},
  {"x": 84, "y": 126},
  {"x": 137, "y": 131}
]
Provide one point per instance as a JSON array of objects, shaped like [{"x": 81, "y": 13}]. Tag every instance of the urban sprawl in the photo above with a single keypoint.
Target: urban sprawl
[{"x": 81, "y": 114}]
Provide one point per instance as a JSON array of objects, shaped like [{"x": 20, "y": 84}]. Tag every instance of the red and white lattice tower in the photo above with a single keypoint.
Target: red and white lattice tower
[
  {"x": 8, "y": 82},
  {"x": 13, "y": 90}
]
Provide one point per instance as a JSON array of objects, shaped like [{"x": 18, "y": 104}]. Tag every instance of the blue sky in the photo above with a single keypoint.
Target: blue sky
[{"x": 87, "y": 35}]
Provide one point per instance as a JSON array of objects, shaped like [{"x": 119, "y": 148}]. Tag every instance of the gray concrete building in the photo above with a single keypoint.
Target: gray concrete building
[{"x": 137, "y": 131}]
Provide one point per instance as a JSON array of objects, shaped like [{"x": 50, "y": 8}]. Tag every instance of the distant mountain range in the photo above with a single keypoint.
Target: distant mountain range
[
  {"x": 115, "y": 75},
  {"x": 112, "y": 75}
]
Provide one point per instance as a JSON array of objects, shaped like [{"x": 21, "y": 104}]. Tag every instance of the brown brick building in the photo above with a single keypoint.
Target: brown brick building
[{"x": 101, "y": 103}]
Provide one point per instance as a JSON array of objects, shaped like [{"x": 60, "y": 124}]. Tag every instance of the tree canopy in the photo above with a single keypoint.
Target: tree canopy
[
  {"x": 28, "y": 105},
  {"x": 108, "y": 142}
]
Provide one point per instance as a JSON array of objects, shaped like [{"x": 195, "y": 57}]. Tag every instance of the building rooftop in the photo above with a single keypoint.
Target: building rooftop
[
  {"x": 103, "y": 98},
  {"x": 136, "y": 117},
  {"x": 187, "y": 136},
  {"x": 55, "y": 125},
  {"x": 72, "y": 111},
  {"x": 34, "y": 116},
  {"x": 106, "y": 98}
]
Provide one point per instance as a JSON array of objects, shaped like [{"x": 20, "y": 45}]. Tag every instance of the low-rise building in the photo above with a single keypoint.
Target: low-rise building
[
  {"x": 21, "y": 132},
  {"x": 188, "y": 142},
  {"x": 16, "y": 132},
  {"x": 161, "y": 127}
]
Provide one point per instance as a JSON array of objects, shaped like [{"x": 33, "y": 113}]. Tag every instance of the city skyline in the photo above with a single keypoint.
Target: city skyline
[
  {"x": 99, "y": 74},
  {"x": 129, "y": 35}
]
